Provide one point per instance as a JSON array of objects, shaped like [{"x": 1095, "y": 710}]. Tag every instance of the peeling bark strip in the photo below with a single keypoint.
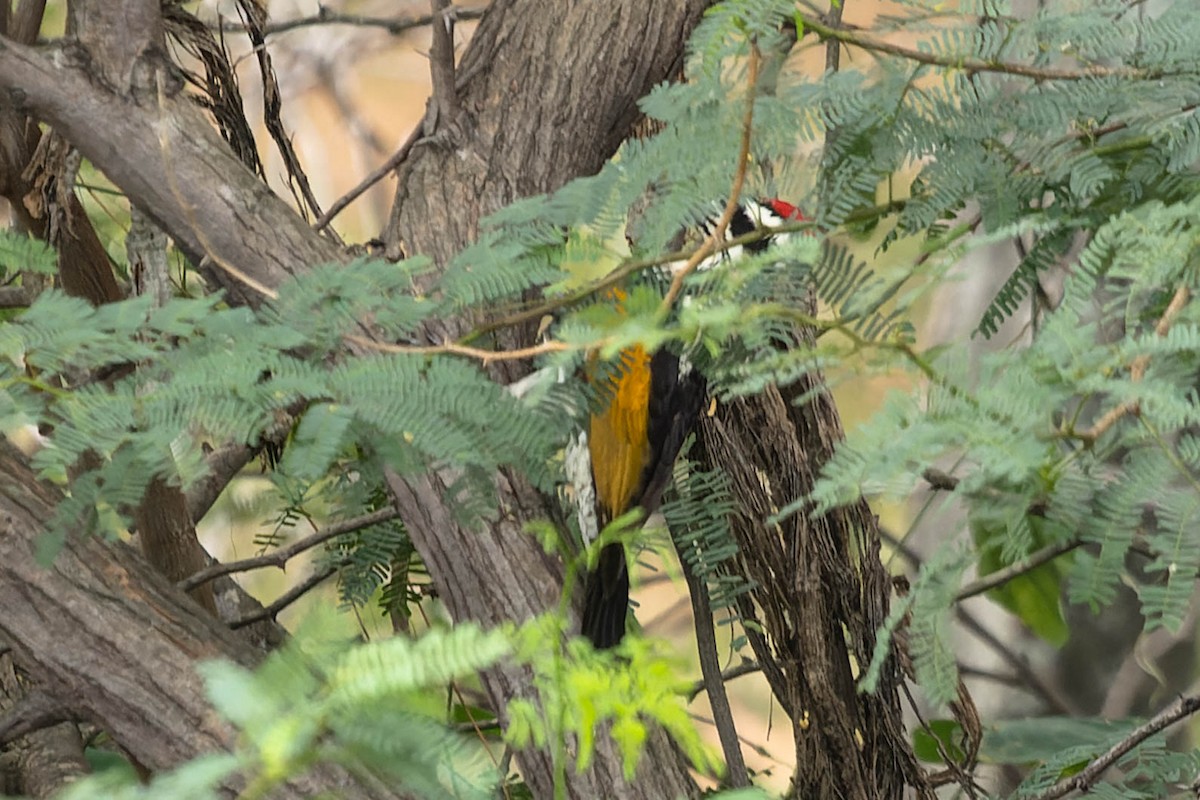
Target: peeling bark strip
[{"x": 820, "y": 589}]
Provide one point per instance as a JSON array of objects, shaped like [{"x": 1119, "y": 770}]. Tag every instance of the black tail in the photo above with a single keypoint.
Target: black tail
[{"x": 607, "y": 601}]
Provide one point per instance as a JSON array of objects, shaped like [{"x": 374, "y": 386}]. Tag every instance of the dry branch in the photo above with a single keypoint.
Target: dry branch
[
  {"x": 280, "y": 557},
  {"x": 169, "y": 161},
  {"x": 1086, "y": 778}
]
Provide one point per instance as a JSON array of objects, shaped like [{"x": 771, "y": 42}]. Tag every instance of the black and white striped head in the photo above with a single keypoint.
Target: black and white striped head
[{"x": 750, "y": 216}]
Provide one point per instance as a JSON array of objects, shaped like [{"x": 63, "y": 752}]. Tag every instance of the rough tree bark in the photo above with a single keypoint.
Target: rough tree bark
[
  {"x": 494, "y": 143},
  {"x": 116, "y": 644},
  {"x": 820, "y": 593}
]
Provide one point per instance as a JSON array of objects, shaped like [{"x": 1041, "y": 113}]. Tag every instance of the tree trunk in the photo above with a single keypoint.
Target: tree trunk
[
  {"x": 820, "y": 593},
  {"x": 113, "y": 642},
  {"x": 519, "y": 126}
]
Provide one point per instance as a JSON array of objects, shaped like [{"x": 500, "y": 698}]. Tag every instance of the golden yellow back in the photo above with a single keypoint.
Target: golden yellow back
[{"x": 617, "y": 438}]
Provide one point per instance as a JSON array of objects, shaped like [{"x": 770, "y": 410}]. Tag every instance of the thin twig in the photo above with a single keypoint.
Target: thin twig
[
  {"x": 833, "y": 47},
  {"x": 758, "y": 748},
  {"x": 287, "y": 598},
  {"x": 417, "y": 136},
  {"x": 954, "y": 772},
  {"x": 745, "y": 668},
  {"x": 968, "y": 64},
  {"x": 327, "y": 17},
  {"x": 1137, "y": 370},
  {"x": 255, "y": 18},
  {"x": 280, "y": 557},
  {"x": 453, "y": 348},
  {"x": 1017, "y": 569},
  {"x": 1056, "y": 703},
  {"x": 1003, "y": 678},
  {"x": 374, "y": 177},
  {"x": 622, "y": 272},
  {"x": 1030, "y": 679},
  {"x": 474, "y": 726},
  {"x": 710, "y": 668},
  {"x": 1087, "y": 777},
  {"x": 739, "y": 179}
]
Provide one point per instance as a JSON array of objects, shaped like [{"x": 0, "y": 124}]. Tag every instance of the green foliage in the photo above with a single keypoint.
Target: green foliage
[
  {"x": 199, "y": 779},
  {"x": 207, "y": 372},
  {"x": 697, "y": 514},
  {"x": 1033, "y": 596},
  {"x": 321, "y": 699},
  {"x": 20, "y": 253},
  {"x": 1058, "y": 747},
  {"x": 581, "y": 690},
  {"x": 939, "y": 742}
]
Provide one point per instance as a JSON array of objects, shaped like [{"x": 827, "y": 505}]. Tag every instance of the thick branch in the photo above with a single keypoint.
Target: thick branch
[
  {"x": 731, "y": 203},
  {"x": 223, "y": 464},
  {"x": 169, "y": 161},
  {"x": 113, "y": 642},
  {"x": 36, "y": 710}
]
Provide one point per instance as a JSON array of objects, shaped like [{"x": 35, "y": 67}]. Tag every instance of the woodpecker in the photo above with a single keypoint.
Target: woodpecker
[{"x": 652, "y": 404}]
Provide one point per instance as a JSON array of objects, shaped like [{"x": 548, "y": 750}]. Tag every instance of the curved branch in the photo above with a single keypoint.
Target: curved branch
[
  {"x": 280, "y": 557},
  {"x": 735, "y": 192},
  {"x": 1017, "y": 569},
  {"x": 34, "y": 711},
  {"x": 169, "y": 160}
]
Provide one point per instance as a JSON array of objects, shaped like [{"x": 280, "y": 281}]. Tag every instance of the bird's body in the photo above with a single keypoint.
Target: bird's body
[
  {"x": 633, "y": 442},
  {"x": 651, "y": 404}
]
